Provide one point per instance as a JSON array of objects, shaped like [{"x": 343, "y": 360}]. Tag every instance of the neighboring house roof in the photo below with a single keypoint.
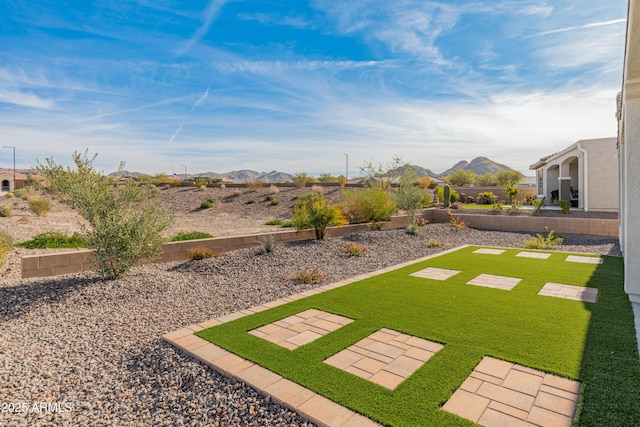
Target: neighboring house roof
[
  {"x": 19, "y": 176},
  {"x": 544, "y": 160}
]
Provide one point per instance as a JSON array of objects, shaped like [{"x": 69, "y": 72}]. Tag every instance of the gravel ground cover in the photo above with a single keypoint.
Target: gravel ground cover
[{"x": 93, "y": 347}]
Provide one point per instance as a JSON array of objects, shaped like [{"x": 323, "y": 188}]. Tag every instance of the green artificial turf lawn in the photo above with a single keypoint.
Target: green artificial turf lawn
[{"x": 593, "y": 343}]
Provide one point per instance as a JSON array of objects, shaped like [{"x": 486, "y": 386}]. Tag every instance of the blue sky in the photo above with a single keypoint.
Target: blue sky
[{"x": 292, "y": 85}]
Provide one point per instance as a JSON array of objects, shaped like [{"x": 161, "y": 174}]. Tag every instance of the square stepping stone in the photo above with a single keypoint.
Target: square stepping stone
[
  {"x": 487, "y": 251},
  {"x": 534, "y": 255},
  {"x": 584, "y": 259},
  {"x": 300, "y": 329},
  {"x": 385, "y": 357},
  {"x": 499, "y": 393},
  {"x": 572, "y": 292},
  {"x": 435, "y": 273},
  {"x": 498, "y": 282}
]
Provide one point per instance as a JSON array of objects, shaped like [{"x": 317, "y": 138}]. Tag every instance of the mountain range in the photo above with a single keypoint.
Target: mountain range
[{"x": 479, "y": 165}]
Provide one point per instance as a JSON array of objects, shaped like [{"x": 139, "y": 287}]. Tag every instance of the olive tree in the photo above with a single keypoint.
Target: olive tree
[
  {"x": 125, "y": 222},
  {"x": 408, "y": 196}
]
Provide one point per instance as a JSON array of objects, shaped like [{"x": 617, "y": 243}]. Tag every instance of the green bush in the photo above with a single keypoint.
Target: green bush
[
  {"x": 54, "y": 240},
  {"x": 276, "y": 221},
  {"x": 370, "y": 204},
  {"x": 207, "y": 204},
  {"x": 40, "y": 206},
  {"x": 22, "y": 193},
  {"x": 537, "y": 204},
  {"x": 6, "y": 243},
  {"x": 190, "y": 235},
  {"x": 126, "y": 224},
  {"x": 511, "y": 192},
  {"x": 541, "y": 242},
  {"x": 269, "y": 198},
  {"x": 306, "y": 276},
  {"x": 6, "y": 211},
  {"x": 486, "y": 197},
  {"x": 453, "y": 195},
  {"x": 275, "y": 202},
  {"x": 313, "y": 211},
  {"x": 200, "y": 182},
  {"x": 268, "y": 242},
  {"x": 565, "y": 206},
  {"x": 251, "y": 201},
  {"x": 407, "y": 196}
]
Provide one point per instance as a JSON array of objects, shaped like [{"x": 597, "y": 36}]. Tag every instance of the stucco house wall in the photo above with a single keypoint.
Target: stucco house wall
[{"x": 584, "y": 173}]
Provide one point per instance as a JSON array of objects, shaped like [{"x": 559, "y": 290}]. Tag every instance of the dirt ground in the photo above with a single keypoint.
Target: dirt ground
[{"x": 235, "y": 211}]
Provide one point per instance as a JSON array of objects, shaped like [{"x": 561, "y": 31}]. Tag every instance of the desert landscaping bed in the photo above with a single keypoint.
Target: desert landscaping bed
[{"x": 96, "y": 346}]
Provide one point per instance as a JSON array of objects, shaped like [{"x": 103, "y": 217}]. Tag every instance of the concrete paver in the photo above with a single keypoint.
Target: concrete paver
[
  {"x": 489, "y": 251},
  {"x": 492, "y": 281},
  {"x": 576, "y": 293},
  {"x": 385, "y": 357},
  {"x": 301, "y": 328},
  {"x": 435, "y": 273},
  {"x": 584, "y": 259},
  {"x": 500, "y": 393},
  {"x": 534, "y": 255}
]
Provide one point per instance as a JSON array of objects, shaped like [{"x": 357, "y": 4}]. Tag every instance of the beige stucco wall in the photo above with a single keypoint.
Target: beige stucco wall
[
  {"x": 629, "y": 134},
  {"x": 8, "y": 177},
  {"x": 602, "y": 174}
]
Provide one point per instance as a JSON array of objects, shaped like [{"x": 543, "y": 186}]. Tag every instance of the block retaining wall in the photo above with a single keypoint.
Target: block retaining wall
[{"x": 54, "y": 264}]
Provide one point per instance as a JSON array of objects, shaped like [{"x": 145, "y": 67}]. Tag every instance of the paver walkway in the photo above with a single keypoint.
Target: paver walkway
[
  {"x": 300, "y": 329},
  {"x": 499, "y": 393},
  {"x": 577, "y": 293},
  {"x": 385, "y": 357},
  {"x": 491, "y": 281}
]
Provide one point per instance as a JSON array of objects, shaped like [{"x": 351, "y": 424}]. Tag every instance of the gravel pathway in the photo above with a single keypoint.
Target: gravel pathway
[{"x": 92, "y": 349}]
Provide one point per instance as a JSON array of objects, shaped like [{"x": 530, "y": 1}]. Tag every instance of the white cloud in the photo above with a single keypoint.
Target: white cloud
[
  {"x": 583, "y": 27},
  {"x": 210, "y": 14},
  {"x": 25, "y": 99}
]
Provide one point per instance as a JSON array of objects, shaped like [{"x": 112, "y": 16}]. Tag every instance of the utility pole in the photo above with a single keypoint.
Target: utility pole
[
  {"x": 14, "y": 165},
  {"x": 185, "y": 172},
  {"x": 347, "y": 161}
]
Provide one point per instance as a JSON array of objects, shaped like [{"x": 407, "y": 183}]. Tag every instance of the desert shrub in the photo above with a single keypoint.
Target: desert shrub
[
  {"x": 433, "y": 243},
  {"x": 370, "y": 204},
  {"x": 342, "y": 181},
  {"x": 542, "y": 242},
  {"x": 269, "y": 198},
  {"x": 516, "y": 206},
  {"x": 273, "y": 189},
  {"x": 200, "y": 182},
  {"x": 286, "y": 224},
  {"x": 507, "y": 176},
  {"x": 207, "y": 204},
  {"x": 251, "y": 201},
  {"x": 424, "y": 181},
  {"x": 486, "y": 197},
  {"x": 497, "y": 207},
  {"x": 190, "y": 235},
  {"x": 318, "y": 189},
  {"x": 6, "y": 211},
  {"x": 407, "y": 196},
  {"x": 413, "y": 229},
  {"x": 302, "y": 179},
  {"x": 529, "y": 198},
  {"x": 327, "y": 177},
  {"x": 455, "y": 221},
  {"x": 22, "y": 193},
  {"x": 237, "y": 193},
  {"x": 488, "y": 180},
  {"x": 268, "y": 242},
  {"x": 537, "y": 204},
  {"x": 313, "y": 211},
  {"x": 276, "y": 221},
  {"x": 461, "y": 177},
  {"x": 54, "y": 240},
  {"x": 6, "y": 243},
  {"x": 453, "y": 194},
  {"x": 353, "y": 249},
  {"x": 199, "y": 253},
  {"x": 511, "y": 191},
  {"x": 564, "y": 206},
  {"x": 253, "y": 184},
  {"x": 307, "y": 276},
  {"x": 202, "y": 187},
  {"x": 275, "y": 202},
  {"x": 9, "y": 196},
  {"x": 376, "y": 226},
  {"x": 40, "y": 206},
  {"x": 126, "y": 224},
  {"x": 426, "y": 200}
]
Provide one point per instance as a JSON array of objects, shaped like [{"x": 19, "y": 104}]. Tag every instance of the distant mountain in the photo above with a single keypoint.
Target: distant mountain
[
  {"x": 248, "y": 175},
  {"x": 479, "y": 165},
  {"x": 419, "y": 170},
  {"x": 127, "y": 174}
]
